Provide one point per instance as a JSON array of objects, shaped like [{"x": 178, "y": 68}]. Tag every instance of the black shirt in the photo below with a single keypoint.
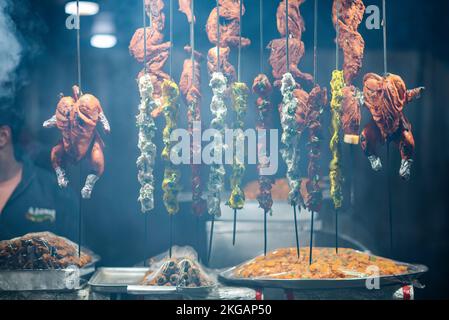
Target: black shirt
[{"x": 38, "y": 204}]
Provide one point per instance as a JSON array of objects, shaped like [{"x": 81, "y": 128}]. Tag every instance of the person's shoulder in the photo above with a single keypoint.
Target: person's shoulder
[
  {"x": 43, "y": 175},
  {"x": 45, "y": 180}
]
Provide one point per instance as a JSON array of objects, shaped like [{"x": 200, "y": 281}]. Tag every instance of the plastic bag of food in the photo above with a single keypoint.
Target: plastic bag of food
[
  {"x": 40, "y": 251},
  {"x": 181, "y": 270}
]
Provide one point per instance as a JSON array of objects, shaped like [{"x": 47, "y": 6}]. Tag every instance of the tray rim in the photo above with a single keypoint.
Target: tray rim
[
  {"x": 81, "y": 282},
  {"x": 303, "y": 284},
  {"x": 109, "y": 288}
]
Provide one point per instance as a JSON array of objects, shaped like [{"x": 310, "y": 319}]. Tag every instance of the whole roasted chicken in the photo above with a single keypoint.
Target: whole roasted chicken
[
  {"x": 385, "y": 97},
  {"x": 77, "y": 118}
]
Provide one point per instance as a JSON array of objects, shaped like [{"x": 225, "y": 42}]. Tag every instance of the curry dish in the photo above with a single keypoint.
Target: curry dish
[{"x": 284, "y": 264}]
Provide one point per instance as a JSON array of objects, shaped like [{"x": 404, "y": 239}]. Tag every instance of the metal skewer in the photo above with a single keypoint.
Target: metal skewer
[
  {"x": 261, "y": 66},
  {"x": 218, "y": 70},
  {"x": 336, "y": 231},
  {"x": 211, "y": 238},
  {"x": 337, "y": 66},
  {"x": 170, "y": 72},
  {"x": 311, "y": 239},
  {"x": 171, "y": 235},
  {"x": 235, "y": 227},
  {"x": 296, "y": 232},
  {"x": 238, "y": 80},
  {"x": 78, "y": 57},
  {"x": 287, "y": 36},
  {"x": 265, "y": 243},
  {"x": 144, "y": 18},
  {"x": 390, "y": 206}
]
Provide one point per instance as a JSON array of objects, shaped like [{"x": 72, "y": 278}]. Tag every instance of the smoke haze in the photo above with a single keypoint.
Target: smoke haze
[{"x": 10, "y": 51}]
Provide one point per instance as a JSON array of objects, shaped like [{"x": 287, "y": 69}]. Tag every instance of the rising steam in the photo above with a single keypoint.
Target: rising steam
[{"x": 10, "y": 51}]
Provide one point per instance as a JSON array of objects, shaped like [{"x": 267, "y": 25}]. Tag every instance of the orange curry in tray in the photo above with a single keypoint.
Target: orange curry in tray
[{"x": 349, "y": 263}]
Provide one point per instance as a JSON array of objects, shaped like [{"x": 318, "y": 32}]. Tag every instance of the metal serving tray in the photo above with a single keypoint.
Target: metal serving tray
[
  {"x": 167, "y": 290},
  {"x": 68, "y": 279},
  {"x": 116, "y": 280},
  {"x": 415, "y": 271},
  {"x": 127, "y": 280}
]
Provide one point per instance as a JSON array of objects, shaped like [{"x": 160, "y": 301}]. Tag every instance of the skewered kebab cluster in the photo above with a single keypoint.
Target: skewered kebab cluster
[
  {"x": 385, "y": 98},
  {"x": 300, "y": 111},
  {"x": 335, "y": 174},
  {"x": 347, "y": 16},
  {"x": 147, "y": 132},
  {"x": 215, "y": 185},
  {"x": 157, "y": 51},
  {"x": 77, "y": 119},
  {"x": 290, "y": 138},
  {"x": 262, "y": 87},
  {"x": 278, "y": 47},
  {"x": 239, "y": 95},
  {"x": 284, "y": 61},
  {"x": 190, "y": 87},
  {"x": 172, "y": 175},
  {"x": 223, "y": 30},
  {"x": 308, "y": 117}
]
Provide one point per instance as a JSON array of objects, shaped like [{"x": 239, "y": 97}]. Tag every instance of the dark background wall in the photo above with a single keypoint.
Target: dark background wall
[{"x": 418, "y": 51}]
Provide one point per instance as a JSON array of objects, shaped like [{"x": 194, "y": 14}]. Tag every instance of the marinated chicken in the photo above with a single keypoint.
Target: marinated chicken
[
  {"x": 347, "y": 16},
  {"x": 77, "y": 119},
  {"x": 278, "y": 59},
  {"x": 263, "y": 89},
  {"x": 385, "y": 97},
  {"x": 351, "y": 114}
]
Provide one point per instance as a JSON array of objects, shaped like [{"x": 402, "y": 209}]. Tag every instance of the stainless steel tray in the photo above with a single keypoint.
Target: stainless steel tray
[
  {"x": 116, "y": 280},
  {"x": 183, "y": 291},
  {"x": 127, "y": 280},
  {"x": 67, "y": 279},
  {"x": 415, "y": 271}
]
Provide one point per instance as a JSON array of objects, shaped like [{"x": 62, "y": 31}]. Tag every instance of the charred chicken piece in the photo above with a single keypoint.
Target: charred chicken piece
[
  {"x": 225, "y": 66},
  {"x": 278, "y": 59},
  {"x": 157, "y": 57},
  {"x": 155, "y": 11},
  {"x": 350, "y": 12},
  {"x": 351, "y": 114},
  {"x": 262, "y": 87},
  {"x": 77, "y": 118},
  {"x": 347, "y": 16},
  {"x": 229, "y": 28},
  {"x": 190, "y": 82},
  {"x": 295, "y": 21},
  {"x": 156, "y": 50},
  {"x": 190, "y": 85},
  {"x": 310, "y": 187},
  {"x": 185, "y": 6},
  {"x": 385, "y": 97},
  {"x": 154, "y": 44}
]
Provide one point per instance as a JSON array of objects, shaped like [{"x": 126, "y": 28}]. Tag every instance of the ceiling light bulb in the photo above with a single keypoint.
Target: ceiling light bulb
[
  {"x": 103, "y": 41},
  {"x": 86, "y": 8}
]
